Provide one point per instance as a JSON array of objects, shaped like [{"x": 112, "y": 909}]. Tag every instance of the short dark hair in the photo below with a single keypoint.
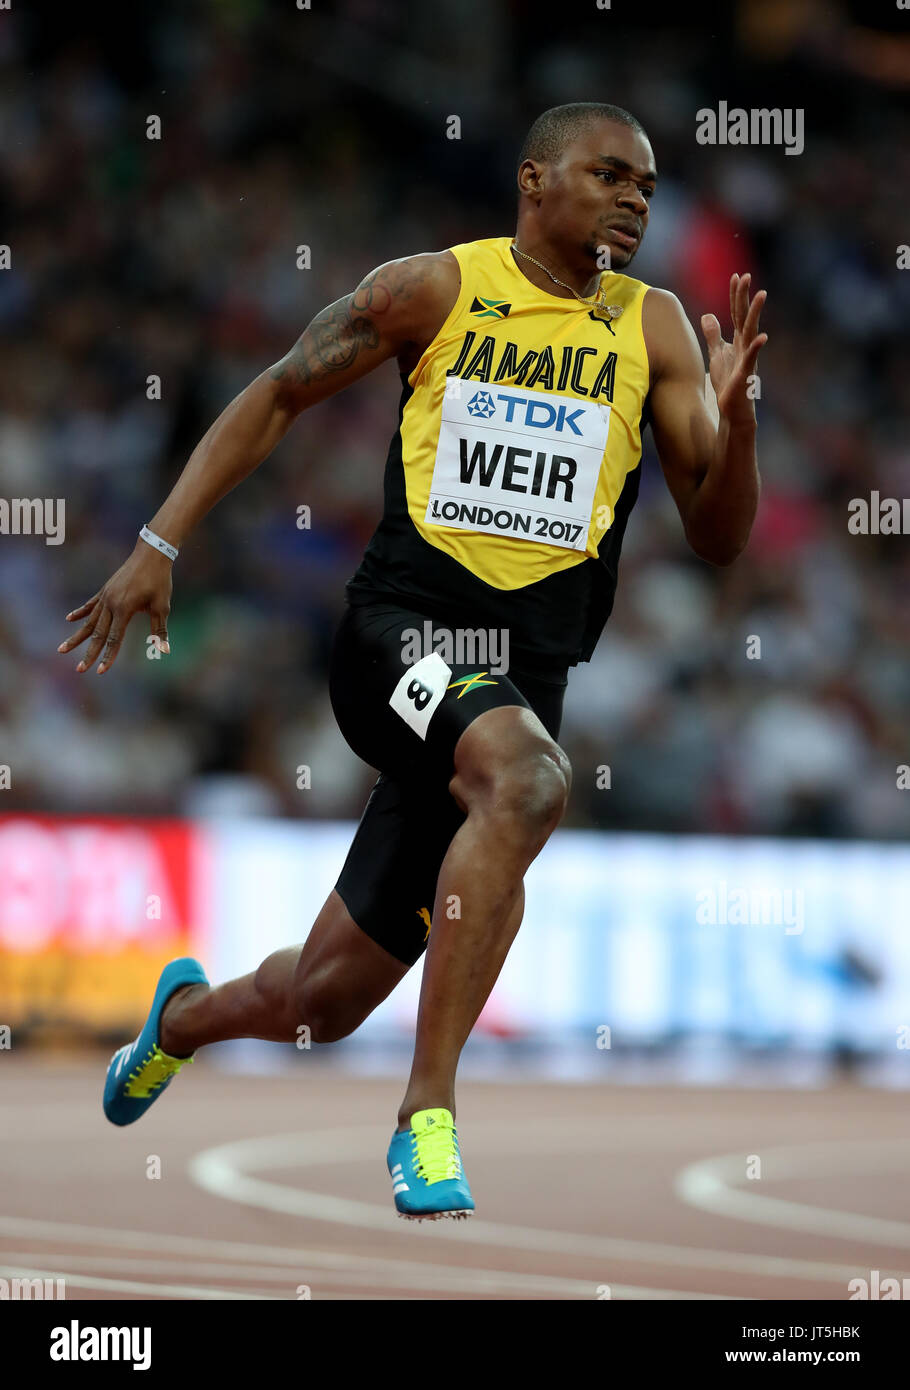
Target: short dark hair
[{"x": 558, "y": 127}]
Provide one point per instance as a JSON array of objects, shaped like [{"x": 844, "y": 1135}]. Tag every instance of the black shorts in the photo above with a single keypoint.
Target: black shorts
[{"x": 405, "y": 720}]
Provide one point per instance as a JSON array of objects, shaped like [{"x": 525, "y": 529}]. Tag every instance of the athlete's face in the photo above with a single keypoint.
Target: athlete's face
[{"x": 596, "y": 194}]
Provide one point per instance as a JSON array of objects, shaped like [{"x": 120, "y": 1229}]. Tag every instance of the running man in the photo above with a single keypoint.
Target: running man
[{"x": 528, "y": 372}]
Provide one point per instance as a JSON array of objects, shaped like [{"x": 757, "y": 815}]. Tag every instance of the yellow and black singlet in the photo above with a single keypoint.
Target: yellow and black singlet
[{"x": 516, "y": 463}]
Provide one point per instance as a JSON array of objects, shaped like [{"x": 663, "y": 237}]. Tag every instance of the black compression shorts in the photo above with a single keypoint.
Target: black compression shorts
[{"x": 405, "y": 720}]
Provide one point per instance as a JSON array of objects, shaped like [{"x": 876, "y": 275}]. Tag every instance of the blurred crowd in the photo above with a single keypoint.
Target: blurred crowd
[{"x": 178, "y": 258}]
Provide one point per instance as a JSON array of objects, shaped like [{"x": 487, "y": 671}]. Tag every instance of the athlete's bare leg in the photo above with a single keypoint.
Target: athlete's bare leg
[
  {"x": 330, "y": 984},
  {"x": 513, "y": 781}
]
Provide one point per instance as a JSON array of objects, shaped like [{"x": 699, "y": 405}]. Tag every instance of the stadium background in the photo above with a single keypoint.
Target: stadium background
[
  {"x": 178, "y": 257},
  {"x": 157, "y": 811}
]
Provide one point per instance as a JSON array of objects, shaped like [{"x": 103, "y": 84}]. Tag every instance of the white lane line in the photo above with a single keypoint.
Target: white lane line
[
  {"x": 338, "y": 1267},
  {"x": 376, "y": 1272},
  {"x": 89, "y": 1281},
  {"x": 223, "y": 1170},
  {"x": 209, "y": 1269},
  {"x": 714, "y": 1185}
]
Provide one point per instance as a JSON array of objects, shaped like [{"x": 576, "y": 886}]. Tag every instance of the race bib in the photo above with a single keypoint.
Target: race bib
[
  {"x": 418, "y": 693},
  {"x": 517, "y": 463}
]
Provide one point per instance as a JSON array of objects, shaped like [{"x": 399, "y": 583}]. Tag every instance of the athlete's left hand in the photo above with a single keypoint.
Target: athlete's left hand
[{"x": 733, "y": 364}]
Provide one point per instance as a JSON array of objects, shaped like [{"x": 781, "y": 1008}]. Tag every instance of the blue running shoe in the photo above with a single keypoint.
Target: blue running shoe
[
  {"x": 425, "y": 1166},
  {"x": 140, "y": 1071}
]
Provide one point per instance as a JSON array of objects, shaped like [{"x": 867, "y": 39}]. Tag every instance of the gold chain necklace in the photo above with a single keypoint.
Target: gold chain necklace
[{"x": 598, "y": 304}]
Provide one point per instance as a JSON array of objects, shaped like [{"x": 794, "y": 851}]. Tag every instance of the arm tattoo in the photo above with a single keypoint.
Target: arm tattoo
[
  {"x": 330, "y": 344},
  {"x": 337, "y": 334}
]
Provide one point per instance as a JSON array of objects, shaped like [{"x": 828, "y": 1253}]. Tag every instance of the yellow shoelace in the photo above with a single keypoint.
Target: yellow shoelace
[
  {"x": 437, "y": 1154},
  {"x": 152, "y": 1073}
]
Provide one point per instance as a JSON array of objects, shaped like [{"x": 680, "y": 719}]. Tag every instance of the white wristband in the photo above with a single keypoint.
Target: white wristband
[{"x": 158, "y": 544}]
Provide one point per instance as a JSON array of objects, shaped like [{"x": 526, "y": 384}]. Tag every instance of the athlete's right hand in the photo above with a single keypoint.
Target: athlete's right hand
[{"x": 141, "y": 585}]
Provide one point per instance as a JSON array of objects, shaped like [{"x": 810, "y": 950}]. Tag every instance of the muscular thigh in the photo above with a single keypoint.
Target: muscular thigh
[
  {"x": 405, "y": 717},
  {"x": 406, "y": 721}
]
